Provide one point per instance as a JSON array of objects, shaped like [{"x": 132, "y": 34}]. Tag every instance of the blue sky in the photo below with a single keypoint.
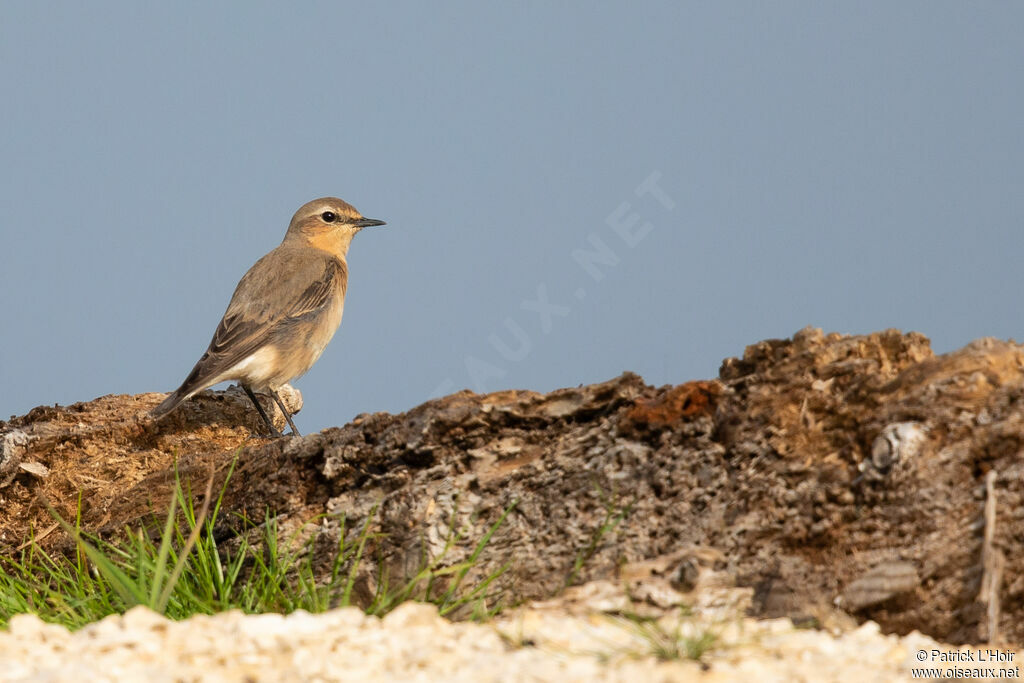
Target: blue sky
[{"x": 853, "y": 166}]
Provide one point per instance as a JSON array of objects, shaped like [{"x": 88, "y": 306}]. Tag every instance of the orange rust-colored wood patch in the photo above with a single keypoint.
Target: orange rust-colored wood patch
[{"x": 682, "y": 402}]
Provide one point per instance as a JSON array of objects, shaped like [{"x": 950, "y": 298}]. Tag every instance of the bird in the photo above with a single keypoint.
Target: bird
[{"x": 284, "y": 311}]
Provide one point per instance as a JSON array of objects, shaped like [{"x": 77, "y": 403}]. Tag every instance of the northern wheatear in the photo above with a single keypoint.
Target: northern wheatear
[{"x": 284, "y": 310}]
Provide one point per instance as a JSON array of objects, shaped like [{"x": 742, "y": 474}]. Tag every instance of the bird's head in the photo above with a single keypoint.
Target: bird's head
[{"x": 328, "y": 223}]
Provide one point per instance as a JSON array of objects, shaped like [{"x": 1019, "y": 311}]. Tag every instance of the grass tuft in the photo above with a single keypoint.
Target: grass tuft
[
  {"x": 185, "y": 570},
  {"x": 614, "y": 515},
  {"x": 671, "y": 643}
]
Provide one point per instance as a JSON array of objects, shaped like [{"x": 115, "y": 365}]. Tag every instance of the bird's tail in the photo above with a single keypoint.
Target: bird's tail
[
  {"x": 193, "y": 383},
  {"x": 168, "y": 404}
]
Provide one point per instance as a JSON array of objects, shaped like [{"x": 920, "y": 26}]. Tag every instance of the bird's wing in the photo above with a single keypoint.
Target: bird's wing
[{"x": 280, "y": 288}]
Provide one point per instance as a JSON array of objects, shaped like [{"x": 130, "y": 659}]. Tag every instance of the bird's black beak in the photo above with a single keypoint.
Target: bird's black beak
[{"x": 368, "y": 222}]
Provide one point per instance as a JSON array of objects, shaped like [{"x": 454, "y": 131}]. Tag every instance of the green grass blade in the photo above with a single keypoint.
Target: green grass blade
[
  {"x": 127, "y": 589},
  {"x": 160, "y": 570}
]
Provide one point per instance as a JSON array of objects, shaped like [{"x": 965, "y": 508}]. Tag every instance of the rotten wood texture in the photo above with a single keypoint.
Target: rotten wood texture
[{"x": 809, "y": 463}]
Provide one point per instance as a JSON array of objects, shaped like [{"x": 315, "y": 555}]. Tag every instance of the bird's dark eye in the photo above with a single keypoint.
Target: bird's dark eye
[{"x": 329, "y": 216}]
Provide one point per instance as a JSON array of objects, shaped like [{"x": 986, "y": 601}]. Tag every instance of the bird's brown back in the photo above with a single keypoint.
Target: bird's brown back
[{"x": 292, "y": 284}]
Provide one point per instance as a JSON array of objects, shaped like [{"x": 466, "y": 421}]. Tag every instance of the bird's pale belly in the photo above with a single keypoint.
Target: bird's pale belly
[
  {"x": 322, "y": 334},
  {"x": 279, "y": 362}
]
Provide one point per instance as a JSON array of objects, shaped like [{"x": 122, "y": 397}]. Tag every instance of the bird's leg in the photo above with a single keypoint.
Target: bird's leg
[
  {"x": 263, "y": 413},
  {"x": 287, "y": 415}
]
